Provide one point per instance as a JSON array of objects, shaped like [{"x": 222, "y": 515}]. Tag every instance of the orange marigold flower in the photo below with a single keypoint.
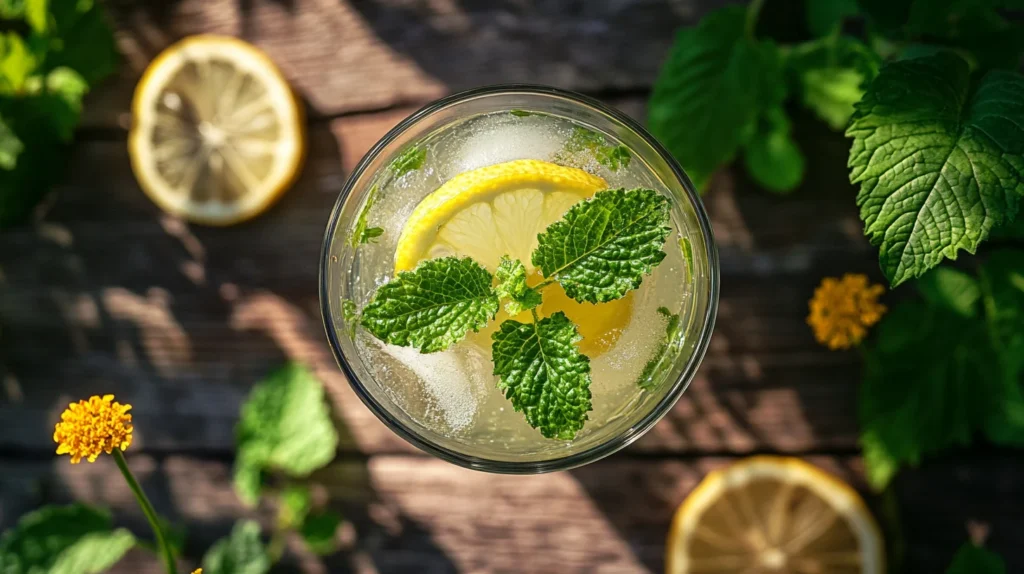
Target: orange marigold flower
[
  {"x": 88, "y": 428},
  {"x": 843, "y": 309}
]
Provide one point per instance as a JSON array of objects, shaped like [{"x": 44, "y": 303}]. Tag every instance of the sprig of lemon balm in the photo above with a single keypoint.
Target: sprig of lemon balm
[{"x": 597, "y": 252}]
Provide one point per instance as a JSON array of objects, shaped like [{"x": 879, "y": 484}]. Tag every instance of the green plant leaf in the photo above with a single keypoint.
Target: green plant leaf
[
  {"x": 582, "y": 140},
  {"x": 772, "y": 157},
  {"x": 240, "y": 553},
  {"x": 75, "y": 539},
  {"x": 409, "y": 160},
  {"x": 10, "y": 146},
  {"x": 1002, "y": 286},
  {"x": 938, "y": 165},
  {"x": 604, "y": 246},
  {"x": 17, "y": 63},
  {"x": 37, "y": 14},
  {"x": 58, "y": 97},
  {"x": 710, "y": 90},
  {"x": 951, "y": 289},
  {"x": 433, "y": 307},
  {"x": 511, "y": 276},
  {"x": 81, "y": 39},
  {"x": 648, "y": 377},
  {"x": 295, "y": 503},
  {"x": 830, "y": 75},
  {"x": 12, "y": 9},
  {"x": 319, "y": 532},
  {"x": 971, "y": 559},
  {"x": 285, "y": 426},
  {"x": 351, "y": 315},
  {"x": 824, "y": 16},
  {"x": 362, "y": 233},
  {"x": 544, "y": 374}
]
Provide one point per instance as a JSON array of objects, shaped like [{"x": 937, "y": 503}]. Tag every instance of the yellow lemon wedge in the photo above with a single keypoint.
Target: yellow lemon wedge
[
  {"x": 499, "y": 210},
  {"x": 217, "y": 134},
  {"x": 774, "y": 515}
]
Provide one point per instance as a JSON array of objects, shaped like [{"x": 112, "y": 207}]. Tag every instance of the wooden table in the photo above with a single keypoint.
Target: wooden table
[{"x": 103, "y": 293}]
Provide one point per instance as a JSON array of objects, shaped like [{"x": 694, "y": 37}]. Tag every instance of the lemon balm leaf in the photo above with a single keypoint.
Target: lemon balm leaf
[
  {"x": 939, "y": 165},
  {"x": 772, "y": 157},
  {"x": 409, "y": 160},
  {"x": 75, "y": 539},
  {"x": 285, "y": 426},
  {"x": 972, "y": 559},
  {"x": 511, "y": 276},
  {"x": 543, "y": 373},
  {"x": 10, "y": 146},
  {"x": 319, "y": 532},
  {"x": 240, "y": 553},
  {"x": 434, "y": 306},
  {"x": 602, "y": 247}
]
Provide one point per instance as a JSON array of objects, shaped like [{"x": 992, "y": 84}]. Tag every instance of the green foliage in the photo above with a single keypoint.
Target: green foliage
[
  {"x": 319, "y": 532},
  {"x": 433, "y": 307},
  {"x": 772, "y": 157},
  {"x": 362, "y": 233},
  {"x": 939, "y": 164},
  {"x": 511, "y": 276},
  {"x": 409, "y": 160},
  {"x": 825, "y": 16},
  {"x": 285, "y": 426},
  {"x": 44, "y": 74},
  {"x": 240, "y": 553},
  {"x": 972, "y": 559},
  {"x": 613, "y": 157},
  {"x": 604, "y": 246},
  {"x": 945, "y": 369},
  {"x": 648, "y": 379},
  {"x": 543, "y": 373},
  {"x": 713, "y": 86},
  {"x": 76, "y": 539}
]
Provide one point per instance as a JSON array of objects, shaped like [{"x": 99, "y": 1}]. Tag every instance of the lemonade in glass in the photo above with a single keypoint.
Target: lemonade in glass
[{"x": 519, "y": 279}]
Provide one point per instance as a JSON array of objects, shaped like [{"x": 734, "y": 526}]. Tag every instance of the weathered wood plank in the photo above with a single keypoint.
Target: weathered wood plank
[
  {"x": 344, "y": 56},
  {"x": 106, "y": 294},
  {"x": 416, "y": 514}
]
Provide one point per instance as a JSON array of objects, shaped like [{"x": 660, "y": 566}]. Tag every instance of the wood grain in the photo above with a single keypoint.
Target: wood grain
[
  {"x": 344, "y": 56},
  {"x": 417, "y": 514},
  {"x": 104, "y": 293}
]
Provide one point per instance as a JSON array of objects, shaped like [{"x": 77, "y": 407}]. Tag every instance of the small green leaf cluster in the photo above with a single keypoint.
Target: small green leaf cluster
[
  {"x": 597, "y": 252},
  {"x": 409, "y": 160},
  {"x": 51, "y": 53},
  {"x": 946, "y": 368},
  {"x": 75, "y": 539},
  {"x": 585, "y": 141},
  {"x": 973, "y": 559}
]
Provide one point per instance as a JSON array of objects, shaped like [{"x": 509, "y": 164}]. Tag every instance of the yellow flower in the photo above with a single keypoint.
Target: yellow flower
[
  {"x": 88, "y": 428},
  {"x": 843, "y": 309}
]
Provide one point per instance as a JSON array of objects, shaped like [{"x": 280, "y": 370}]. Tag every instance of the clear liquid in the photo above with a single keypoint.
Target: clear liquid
[{"x": 453, "y": 393}]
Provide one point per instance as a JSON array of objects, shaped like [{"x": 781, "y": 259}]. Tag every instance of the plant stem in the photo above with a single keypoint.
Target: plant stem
[
  {"x": 147, "y": 509},
  {"x": 753, "y": 11},
  {"x": 275, "y": 547},
  {"x": 543, "y": 284}
]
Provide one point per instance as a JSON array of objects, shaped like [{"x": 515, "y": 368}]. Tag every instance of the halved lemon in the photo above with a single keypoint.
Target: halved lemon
[
  {"x": 499, "y": 210},
  {"x": 217, "y": 134},
  {"x": 774, "y": 515}
]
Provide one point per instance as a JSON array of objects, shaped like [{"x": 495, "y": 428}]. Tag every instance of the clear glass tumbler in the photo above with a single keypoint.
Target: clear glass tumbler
[{"x": 447, "y": 128}]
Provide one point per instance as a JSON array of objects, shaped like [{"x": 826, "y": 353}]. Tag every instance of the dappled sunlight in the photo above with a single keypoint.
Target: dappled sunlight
[{"x": 161, "y": 336}]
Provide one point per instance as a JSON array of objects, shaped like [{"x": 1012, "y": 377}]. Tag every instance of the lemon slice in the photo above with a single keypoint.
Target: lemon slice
[
  {"x": 499, "y": 210},
  {"x": 217, "y": 134},
  {"x": 774, "y": 515}
]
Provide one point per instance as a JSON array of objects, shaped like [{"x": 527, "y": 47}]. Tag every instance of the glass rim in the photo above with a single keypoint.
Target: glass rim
[{"x": 598, "y": 451}]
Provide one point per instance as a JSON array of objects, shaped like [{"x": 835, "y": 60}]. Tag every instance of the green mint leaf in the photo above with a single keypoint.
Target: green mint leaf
[
  {"x": 520, "y": 113},
  {"x": 75, "y": 539},
  {"x": 80, "y": 38},
  {"x": 1002, "y": 286},
  {"x": 687, "y": 249},
  {"x": 240, "y": 553},
  {"x": 370, "y": 234},
  {"x": 710, "y": 90},
  {"x": 938, "y": 165},
  {"x": 772, "y": 157},
  {"x": 648, "y": 378},
  {"x": 351, "y": 315},
  {"x": 12, "y": 9},
  {"x": 433, "y": 307},
  {"x": 361, "y": 232},
  {"x": 931, "y": 379},
  {"x": 951, "y": 289},
  {"x": 59, "y": 97},
  {"x": 10, "y": 146},
  {"x": 17, "y": 63},
  {"x": 544, "y": 374},
  {"x": 604, "y": 246},
  {"x": 511, "y": 276},
  {"x": 295, "y": 503},
  {"x": 831, "y": 74},
  {"x": 582, "y": 140},
  {"x": 319, "y": 531},
  {"x": 971, "y": 559},
  {"x": 825, "y": 16},
  {"x": 37, "y": 14},
  {"x": 409, "y": 160},
  {"x": 285, "y": 426}
]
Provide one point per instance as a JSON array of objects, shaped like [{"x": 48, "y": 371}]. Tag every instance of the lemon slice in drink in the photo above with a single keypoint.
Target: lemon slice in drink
[
  {"x": 774, "y": 515},
  {"x": 217, "y": 134},
  {"x": 499, "y": 210}
]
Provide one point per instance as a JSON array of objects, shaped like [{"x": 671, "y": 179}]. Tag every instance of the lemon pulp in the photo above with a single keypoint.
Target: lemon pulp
[{"x": 499, "y": 210}]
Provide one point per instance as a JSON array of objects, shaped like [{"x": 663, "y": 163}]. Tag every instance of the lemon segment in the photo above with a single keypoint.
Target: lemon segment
[
  {"x": 499, "y": 210},
  {"x": 217, "y": 134},
  {"x": 774, "y": 514}
]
